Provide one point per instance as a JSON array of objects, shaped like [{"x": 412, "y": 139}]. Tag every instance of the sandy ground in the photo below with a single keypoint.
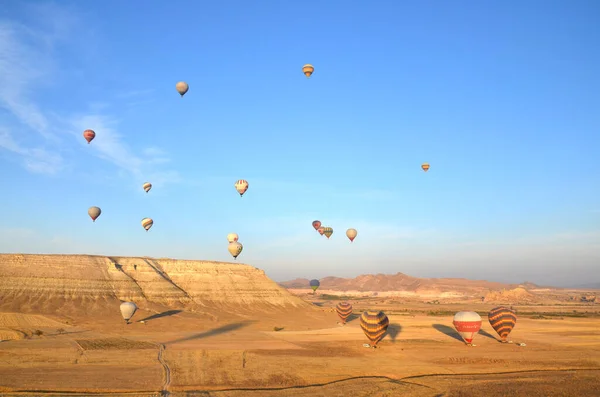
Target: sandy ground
[{"x": 182, "y": 353}]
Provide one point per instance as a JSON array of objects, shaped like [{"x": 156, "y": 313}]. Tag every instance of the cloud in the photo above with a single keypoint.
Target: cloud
[{"x": 36, "y": 160}]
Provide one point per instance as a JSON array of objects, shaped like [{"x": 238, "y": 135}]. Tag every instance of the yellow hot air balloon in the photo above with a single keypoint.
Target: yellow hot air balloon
[
  {"x": 182, "y": 87},
  {"x": 327, "y": 231},
  {"x": 351, "y": 233},
  {"x": 232, "y": 237},
  {"x": 147, "y": 223},
  {"x": 308, "y": 69},
  {"x": 147, "y": 186},
  {"x": 235, "y": 249},
  {"x": 425, "y": 167},
  {"x": 241, "y": 186}
]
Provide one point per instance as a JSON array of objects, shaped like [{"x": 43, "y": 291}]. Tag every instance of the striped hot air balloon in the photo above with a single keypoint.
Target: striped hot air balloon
[
  {"x": 147, "y": 223},
  {"x": 503, "y": 320},
  {"x": 241, "y": 186},
  {"x": 374, "y": 324},
  {"x": 467, "y": 324},
  {"x": 147, "y": 186},
  {"x": 327, "y": 231},
  {"x": 308, "y": 69},
  {"x": 425, "y": 167},
  {"x": 344, "y": 310}
]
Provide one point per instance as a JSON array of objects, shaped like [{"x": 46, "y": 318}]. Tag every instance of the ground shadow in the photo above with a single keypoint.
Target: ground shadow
[
  {"x": 393, "y": 331},
  {"x": 451, "y": 332},
  {"x": 212, "y": 332},
  {"x": 159, "y": 315},
  {"x": 487, "y": 335},
  {"x": 320, "y": 304},
  {"x": 352, "y": 317}
]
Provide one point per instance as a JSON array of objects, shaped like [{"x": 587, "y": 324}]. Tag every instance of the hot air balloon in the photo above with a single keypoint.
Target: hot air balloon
[
  {"x": 316, "y": 225},
  {"x": 321, "y": 230},
  {"x": 147, "y": 186},
  {"x": 425, "y": 167},
  {"x": 351, "y": 233},
  {"x": 241, "y": 186},
  {"x": 503, "y": 320},
  {"x": 232, "y": 237},
  {"x": 89, "y": 135},
  {"x": 235, "y": 249},
  {"x": 128, "y": 309},
  {"x": 308, "y": 69},
  {"x": 327, "y": 231},
  {"x": 374, "y": 324},
  {"x": 94, "y": 213},
  {"x": 147, "y": 223},
  {"x": 467, "y": 324},
  {"x": 182, "y": 87},
  {"x": 344, "y": 310},
  {"x": 314, "y": 284}
]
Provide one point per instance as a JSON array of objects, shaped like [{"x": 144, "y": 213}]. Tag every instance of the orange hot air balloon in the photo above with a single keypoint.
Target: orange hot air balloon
[
  {"x": 351, "y": 234},
  {"x": 467, "y": 324},
  {"x": 308, "y": 69},
  {"x": 321, "y": 230},
  {"x": 241, "y": 186},
  {"x": 374, "y": 324},
  {"x": 89, "y": 135},
  {"x": 316, "y": 225},
  {"x": 503, "y": 320},
  {"x": 425, "y": 167},
  {"x": 344, "y": 310}
]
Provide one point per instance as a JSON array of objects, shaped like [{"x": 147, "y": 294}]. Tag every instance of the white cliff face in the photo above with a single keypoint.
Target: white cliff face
[{"x": 57, "y": 284}]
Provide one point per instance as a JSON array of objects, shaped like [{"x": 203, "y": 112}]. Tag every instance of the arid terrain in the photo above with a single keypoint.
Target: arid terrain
[{"x": 221, "y": 329}]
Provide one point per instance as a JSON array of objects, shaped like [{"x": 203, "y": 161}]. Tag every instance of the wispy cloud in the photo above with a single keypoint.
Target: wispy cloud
[{"x": 28, "y": 60}]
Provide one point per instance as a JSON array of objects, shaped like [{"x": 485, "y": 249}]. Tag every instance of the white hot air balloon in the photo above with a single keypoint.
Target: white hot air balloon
[
  {"x": 235, "y": 249},
  {"x": 128, "y": 309},
  {"x": 232, "y": 237},
  {"x": 182, "y": 87},
  {"x": 467, "y": 324}
]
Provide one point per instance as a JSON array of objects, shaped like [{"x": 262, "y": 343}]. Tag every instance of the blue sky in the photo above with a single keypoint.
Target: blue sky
[{"x": 501, "y": 99}]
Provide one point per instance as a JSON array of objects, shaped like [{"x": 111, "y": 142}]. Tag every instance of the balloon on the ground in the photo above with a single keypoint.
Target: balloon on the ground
[
  {"x": 308, "y": 69},
  {"x": 147, "y": 223},
  {"x": 316, "y": 225},
  {"x": 241, "y": 186},
  {"x": 374, "y": 324},
  {"x": 327, "y": 231},
  {"x": 343, "y": 310},
  {"x": 89, "y": 135},
  {"x": 503, "y": 320},
  {"x": 94, "y": 213},
  {"x": 232, "y": 237},
  {"x": 182, "y": 87},
  {"x": 235, "y": 249},
  {"x": 314, "y": 284},
  {"x": 128, "y": 309},
  {"x": 147, "y": 186},
  {"x": 467, "y": 324},
  {"x": 425, "y": 167},
  {"x": 351, "y": 234}
]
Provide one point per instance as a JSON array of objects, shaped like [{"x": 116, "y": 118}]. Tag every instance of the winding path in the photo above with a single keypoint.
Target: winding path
[{"x": 165, "y": 387}]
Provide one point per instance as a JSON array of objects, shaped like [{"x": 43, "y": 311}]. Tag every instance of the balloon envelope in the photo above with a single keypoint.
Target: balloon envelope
[
  {"x": 232, "y": 237},
  {"x": 351, "y": 234},
  {"x": 503, "y": 320},
  {"x": 374, "y": 324},
  {"x": 128, "y": 309},
  {"x": 182, "y": 87},
  {"x": 467, "y": 324},
  {"x": 327, "y": 231},
  {"x": 321, "y": 230},
  {"x": 425, "y": 167},
  {"x": 147, "y": 186},
  {"x": 314, "y": 284},
  {"x": 316, "y": 224},
  {"x": 241, "y": 186},
  {"x": 308, "y": 69},
  {"x": 147, "y": 223},
  {"x": 89, "y": 135},
  {"x": 94, "y": 213},
  {"x": 343, "y": 310},
  {"x": 235, "y": 249}
]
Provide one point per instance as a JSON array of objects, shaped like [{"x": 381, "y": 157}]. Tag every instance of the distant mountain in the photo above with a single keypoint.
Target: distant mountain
[
  {"x": 403, "y": 282},
  {"x": 588, "y": 286}
]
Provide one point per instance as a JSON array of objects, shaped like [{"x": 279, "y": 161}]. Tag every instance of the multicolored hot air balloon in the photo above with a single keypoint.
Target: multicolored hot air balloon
[
  {"x": 147, "y": 223},
  {"x": 321, "y": 230},
  {"x": 232, "y": 237},
  {"x": 94, "y": 213},
  {"x": 344, "y": 310},
  {"x": 374, "y": 324},
  {"x": 235, "y": 249},
  {"x": 182, "y": 87},
  {"x": 467, "y": 324},
  {"x": 89, "y": 135},
  {"x": 503, "y": 320},
  {"x": 425, "y": 167},
  {"x": 316, "y": 225},
  {"x": 241, "y": 186},
  {"x": 308, "y": 69},
  {"x": 314, "y": 284},
  {"x": 128, "y": 309},
  {"x": 147, "y": 186},
  {"x": 327, "y": 231},
  {"x": 351, "y": 233}
]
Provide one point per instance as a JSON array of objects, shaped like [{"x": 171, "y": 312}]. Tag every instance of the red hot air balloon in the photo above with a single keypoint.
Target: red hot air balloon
[
  {"x": 89, "y": 135},
  {"x": 321, "y": 230},
  {"x": 316, "y": 225},
  {"x": 467, "y": 324}
]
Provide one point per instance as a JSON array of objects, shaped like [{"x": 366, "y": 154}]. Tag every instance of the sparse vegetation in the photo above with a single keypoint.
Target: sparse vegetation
[
  {"x": 60, "y": 331},
  {"x": 38, "y": 332},
  {"x": 277, "y": 329},
  {"x": 113, "y": 344}
]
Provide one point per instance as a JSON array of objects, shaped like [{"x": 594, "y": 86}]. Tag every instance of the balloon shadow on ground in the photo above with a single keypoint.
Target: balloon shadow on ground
[
  {"x": 451, "y": 332},
  {"x": 487, "y": 335},
  {"x": 212, "y": 332},
  {"x": 352, "y": 317},
  {"x": 393, "y": 331},
  {"x": 159, "y": 315},
  {"x": 320, "y": 304}
]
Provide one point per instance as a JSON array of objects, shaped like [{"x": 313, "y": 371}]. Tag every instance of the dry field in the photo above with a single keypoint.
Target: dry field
[{"x": 182, "y": 353}]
